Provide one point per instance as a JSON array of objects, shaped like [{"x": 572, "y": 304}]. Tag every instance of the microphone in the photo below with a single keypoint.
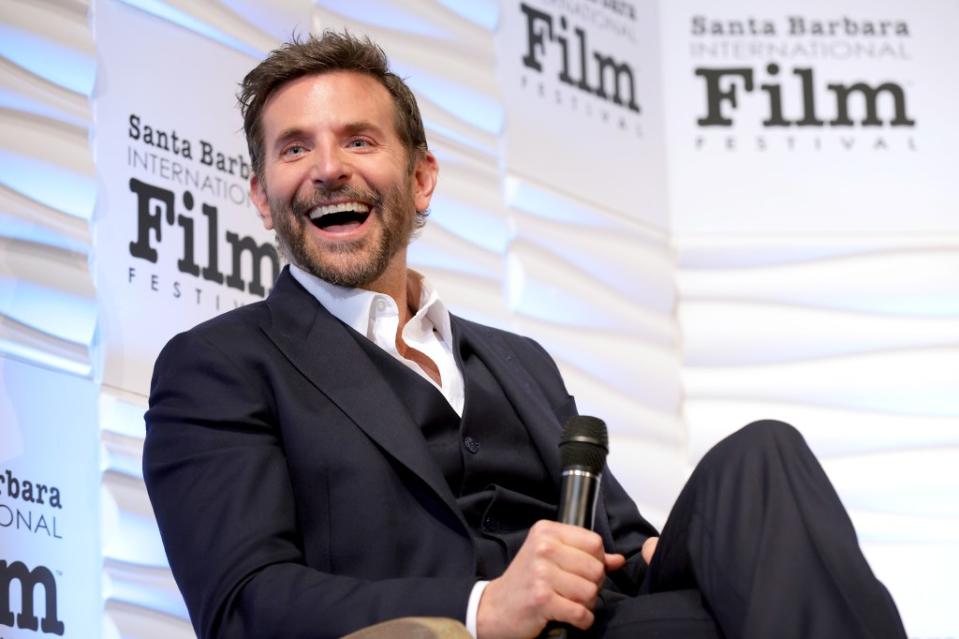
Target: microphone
[{"x": 582, "y": 454}]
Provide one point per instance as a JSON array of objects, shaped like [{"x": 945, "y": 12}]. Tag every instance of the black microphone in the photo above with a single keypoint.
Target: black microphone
[{"x": 582, "y": 455}]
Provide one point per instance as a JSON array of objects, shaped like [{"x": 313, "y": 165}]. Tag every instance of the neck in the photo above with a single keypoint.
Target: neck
[{"x": 401, "y": 284}]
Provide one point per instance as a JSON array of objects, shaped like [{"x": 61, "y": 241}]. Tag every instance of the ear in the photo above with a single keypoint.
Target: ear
[
  {"x": 262, "y": 203},
  {"x": 425, "y": 173}
]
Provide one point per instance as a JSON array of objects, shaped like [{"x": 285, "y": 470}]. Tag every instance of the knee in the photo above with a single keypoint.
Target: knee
[
  {"x": 769, "y": 432},
  {"x": 764, "y": 437}
]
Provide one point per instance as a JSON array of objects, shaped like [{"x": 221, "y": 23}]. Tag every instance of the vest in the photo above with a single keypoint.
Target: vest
[{"x": 490, "y": 463}]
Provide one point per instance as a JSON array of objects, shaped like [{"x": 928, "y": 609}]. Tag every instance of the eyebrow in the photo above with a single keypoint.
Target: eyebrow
[
  {"x": 286, "y": 135},
  {"x": 352, "y": 128}
]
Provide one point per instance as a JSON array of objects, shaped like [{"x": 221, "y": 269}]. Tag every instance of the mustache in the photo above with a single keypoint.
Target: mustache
[{"x": 319, "y": 197}]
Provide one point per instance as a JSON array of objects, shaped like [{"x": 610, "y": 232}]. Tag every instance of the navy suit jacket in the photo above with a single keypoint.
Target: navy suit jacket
[{"x": 294, "y": 494}]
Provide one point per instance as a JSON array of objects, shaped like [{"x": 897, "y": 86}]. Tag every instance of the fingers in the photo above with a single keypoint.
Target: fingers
[
  {"x": 549, "y": 551},
  {"x": 614, "y": 562},
  {"x": 556, "y": 575},
  {"x": 649, "y": 548}
]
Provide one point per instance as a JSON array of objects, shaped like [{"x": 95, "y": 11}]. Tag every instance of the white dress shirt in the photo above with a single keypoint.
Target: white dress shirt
[{"x": 376, "y": 316}]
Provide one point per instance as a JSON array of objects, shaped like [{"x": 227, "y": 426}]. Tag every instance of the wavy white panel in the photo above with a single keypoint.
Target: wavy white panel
[
  {"x": 468, "y": 203},
  {"x": 875, "y": 527},
  {"x": 546, "y": 287},
  {"x": 484, "y": 13},
  {"x": 244, "y": 26},
  {"x": 637, "y": 266},
  {"x": 718, "y": 252},
  {"x": 452, "y": 25},
  {"x": 38, "y": 153},
  {"x": 467, "y": 229},
  {"x": 908, "y": 382},
  {"x": 48, "y": 289},
  {"x": 47, "y": 188},
  {"x": 279, "y": 19},
  {"x": 445, "y": 131},
  {"x": 31, "y": 344},
  {"x": 128, "y": 527},
  {"x": 138, "y": 622},
  {"x": 468, "y": 54},
  {"x": 524, "y": 194},
  {"x": 208, "y": 20},
  {"x": 912, "y": 283},
  {"x": 51, "y": 40},
  {"x": 651, "y": 472},
  {"x": 142, "y": 586},
  {"x": 437, "y": 248},
  {"x": 476, "y": 298},
  {"x": 456, "y": 91},
  {"x": 645, "y": 371},
  {"x": 907, "y": 482},
  {"x": 24, "y": 90},
  {"x": 830, "y": 432},
  {"x": 921, "y": 578},
  {"x": 625, "y": 413},
  {"x": 121, "y": 412},
  {"x": 29, "y": 221},
  {"x": 121, "y": 454},
  {"x": 756, "y": 333}
]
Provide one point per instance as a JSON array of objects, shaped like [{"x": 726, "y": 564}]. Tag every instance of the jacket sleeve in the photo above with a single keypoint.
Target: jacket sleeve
[{"x": 217, "y": 476}]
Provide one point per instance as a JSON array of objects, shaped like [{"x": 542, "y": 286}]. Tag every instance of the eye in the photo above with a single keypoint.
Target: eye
[
  {"x": 294, "y": 150},
  {"x": 358, "y": 143}
]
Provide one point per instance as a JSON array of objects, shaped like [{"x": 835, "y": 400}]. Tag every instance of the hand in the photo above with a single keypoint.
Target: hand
[
  {"x": 649, "y": 547},
  {"x": 555, "y": 576}
]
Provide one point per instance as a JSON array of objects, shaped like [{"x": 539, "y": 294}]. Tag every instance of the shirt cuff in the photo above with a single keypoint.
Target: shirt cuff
[{"x": 473, "y": 606}]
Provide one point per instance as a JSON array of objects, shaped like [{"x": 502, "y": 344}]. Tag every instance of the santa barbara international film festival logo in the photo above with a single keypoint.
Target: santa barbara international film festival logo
[
  {"x": 795, "y": 82},
  {"x": 28, "y": 508},
  {"x": 179, "y": 187},
  {"x": 564, "y": 67}
]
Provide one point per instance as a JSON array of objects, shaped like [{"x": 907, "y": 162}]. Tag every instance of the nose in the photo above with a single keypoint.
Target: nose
[{"x": 331, "y": 168}]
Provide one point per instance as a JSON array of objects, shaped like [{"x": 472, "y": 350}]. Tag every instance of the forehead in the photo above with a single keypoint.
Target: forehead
[{"x": 336, "y": 98}]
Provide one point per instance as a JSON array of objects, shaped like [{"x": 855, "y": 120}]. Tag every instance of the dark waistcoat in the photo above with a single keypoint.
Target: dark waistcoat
[{"x": 492, "y": 467}]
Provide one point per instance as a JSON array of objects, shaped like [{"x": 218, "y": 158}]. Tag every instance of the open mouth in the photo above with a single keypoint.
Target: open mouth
[{"x": 341, "y": 217}]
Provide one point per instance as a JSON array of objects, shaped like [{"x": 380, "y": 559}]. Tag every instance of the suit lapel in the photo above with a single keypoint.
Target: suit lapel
[{"x": 325, "y": 352}]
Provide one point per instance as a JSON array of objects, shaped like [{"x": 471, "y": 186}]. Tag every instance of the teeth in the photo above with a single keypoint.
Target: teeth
[{"x": 342, "y": 207}]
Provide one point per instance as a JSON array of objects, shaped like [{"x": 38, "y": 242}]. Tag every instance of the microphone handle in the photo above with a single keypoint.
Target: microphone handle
[
  {"x": 577, "y": 497},
  {"x": 577, "y": 506}
]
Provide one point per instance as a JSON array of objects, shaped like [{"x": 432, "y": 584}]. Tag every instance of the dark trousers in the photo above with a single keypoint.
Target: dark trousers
[{"x": 759, "y": 543}]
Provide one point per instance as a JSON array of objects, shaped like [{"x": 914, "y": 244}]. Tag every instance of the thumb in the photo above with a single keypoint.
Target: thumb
[{"x": 614, "y": 561}]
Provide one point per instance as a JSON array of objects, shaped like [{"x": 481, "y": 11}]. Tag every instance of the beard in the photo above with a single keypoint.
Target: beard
[{"x": 347, "y": 263}]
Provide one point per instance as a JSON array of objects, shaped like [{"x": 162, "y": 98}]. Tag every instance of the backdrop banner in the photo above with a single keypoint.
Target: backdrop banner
[
  {"x": 580, "y": 83},
  {"x": 49, "y": 515},
  {"x": 178, "y": 240},
  {"x": 766, "y": 101}
]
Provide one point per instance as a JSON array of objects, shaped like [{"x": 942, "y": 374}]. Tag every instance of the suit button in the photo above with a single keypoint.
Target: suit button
[
  {"x": 490, "y": 524},
  {"x": 471, "y": 445}
]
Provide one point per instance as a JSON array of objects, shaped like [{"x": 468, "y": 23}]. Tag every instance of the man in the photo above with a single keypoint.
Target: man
[{"x": 348, "y": 452}]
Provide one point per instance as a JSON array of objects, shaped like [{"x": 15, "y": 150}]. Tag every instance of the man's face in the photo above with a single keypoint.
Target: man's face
[{"x": 336, "y": 183}]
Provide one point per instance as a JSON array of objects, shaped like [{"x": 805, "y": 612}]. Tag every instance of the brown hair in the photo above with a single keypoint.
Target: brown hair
[{"x": 331, "y": 51}]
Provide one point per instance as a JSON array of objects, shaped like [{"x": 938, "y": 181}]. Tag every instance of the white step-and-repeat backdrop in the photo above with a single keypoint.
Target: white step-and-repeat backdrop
[{"x": 707, "y": 214}]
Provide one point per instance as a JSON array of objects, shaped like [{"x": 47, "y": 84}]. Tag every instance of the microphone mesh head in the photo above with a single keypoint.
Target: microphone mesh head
[{"x": 584, "y": 444}]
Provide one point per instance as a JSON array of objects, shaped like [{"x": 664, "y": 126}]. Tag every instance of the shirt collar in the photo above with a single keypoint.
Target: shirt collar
[{"x": 354, "y": 306}]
